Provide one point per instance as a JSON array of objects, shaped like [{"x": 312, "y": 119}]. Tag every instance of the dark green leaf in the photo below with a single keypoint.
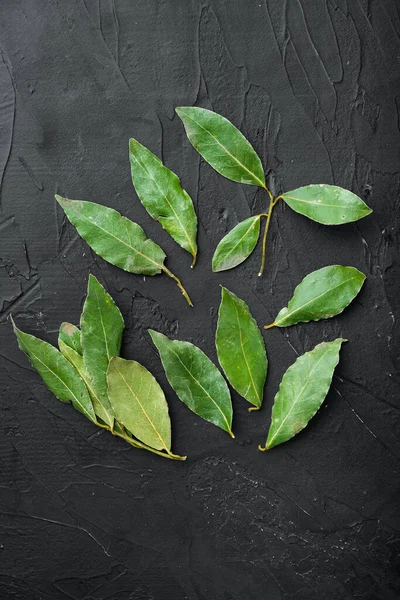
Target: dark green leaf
[
  {"x": 139, "y": 403},
  {"x": 240, "y": 348},
  {"x": 57, "y": 373},
  {"x": 161, "y": 193},
  {"x": 102, "y": 326},
  {"x": 237, "y": 245},
  {"x": 303, "y": 389},
  {"x": 326, "y": 204},
  {"x": 71, "y": 336},
  {"x": 222, "y": 145},
  {"x": 114, "y": 237},
  {"x": 321, "y": 295},
  {"x": 196, "y": 380}
]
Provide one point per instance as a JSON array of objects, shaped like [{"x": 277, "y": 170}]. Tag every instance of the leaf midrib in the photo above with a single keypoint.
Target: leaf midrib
[
  {"x": 59, "y": 378},
  {"x": 161, "y": 267},
  {"x": 167, "y": 199},
  {"x": 226, "y": 150},
  {"x": 143, "y": 410},
  {"x": 289, "y": 314},
  {"x": 245, "y": 357},
  {"x": 296, "y": 400},
  {"x": 199, "y": 384},
  {"x": 314, "y": 202}
]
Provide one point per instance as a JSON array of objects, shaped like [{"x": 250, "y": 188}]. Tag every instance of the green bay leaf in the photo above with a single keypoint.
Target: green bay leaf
[
  {"x": 222, "y": 145},
  {"x": 115, "y": 238},
  {"x": 102, "y": 326},
  {"x": 162, "y": 195},
  {"x": 240, "y": 348},
  {"x": 322, "y": 294},
  {"x": 302, "y": 390},
  {"x": 71, "y": 336},
  {"x": 326, "y": 204},
  {"x": 139, "y": 403},
  {"x": 77, "y": 361},
  {"x": 57, "y": 372},
  {"x": 196, "y": 380},
  {"x": 237, "y": 245}
]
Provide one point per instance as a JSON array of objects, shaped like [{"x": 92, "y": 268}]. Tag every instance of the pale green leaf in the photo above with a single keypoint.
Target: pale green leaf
[
  {"x": 71, "y": 336},
  {"x": 196, "y": 380},
  {"x": 114, "y": 237},
  {"x": 303, "y": 389},
  {"x": 322, "y": 294},
  {"x": 139, "y": 403},
  {"x": 237, "y": 245},
  {"x": 222, "y": 145},
  {"x": 326, "y": 204},
  {"x": 240, "y": 348},
  {"x": 57, "y": 373},
  {"x": 162, "y": 195}
]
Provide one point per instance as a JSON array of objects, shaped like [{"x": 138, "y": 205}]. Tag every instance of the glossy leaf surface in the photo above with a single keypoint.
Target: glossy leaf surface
[
  {"x": 114, "y": 237},
  {"x": 326, "y": 204},
  {"x": 196, "y": 380},
  {"x": 162, "y": 195},
  {"x": 322, "y": 294},
  {"x": 139, "y": 403},
  {"x": 102, "y": 326},
  {"x": 57, "y": 373},
  {"x": 240, "y": 348},
  {"x": 71, "y": 336},
  {"x": 237, "y": 245},
  {"x": 222, "y": 145},
  {"x": 303, "y": 389}
]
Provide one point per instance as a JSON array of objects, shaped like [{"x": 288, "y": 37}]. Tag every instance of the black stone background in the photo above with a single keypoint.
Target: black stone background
[{"x": 315, "y": 87}]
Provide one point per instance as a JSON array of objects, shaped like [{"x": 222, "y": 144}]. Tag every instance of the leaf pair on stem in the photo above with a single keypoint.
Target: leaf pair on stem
[{"x": 227, "y": 150}]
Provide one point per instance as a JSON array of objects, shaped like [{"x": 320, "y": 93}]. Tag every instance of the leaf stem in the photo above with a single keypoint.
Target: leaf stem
[
  {"x": 263, "y": 448},
  {"x": 137, "y": 444},
  {"x": 180, "y": 285},
  {"x": 254, "y": 408},
  {"x": 231, "y": 434},
  {"x": 269, "y": 326},
  {"x": 272, "y": 203}
]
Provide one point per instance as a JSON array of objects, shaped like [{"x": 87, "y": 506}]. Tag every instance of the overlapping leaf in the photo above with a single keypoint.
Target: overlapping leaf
[
  {"x": 303, "y": 389},
  {"x": 196, "y": 380},
  {"x": 57, "y": 373},
  {"x": 102, "y": 326},
  {"x": 322, "y": 294},
  {"x": 71, "y": 336},
  {"x": 139, "y": 403},
  {"x": 222, "y": 145},
  {"x": 162, "y": 195},
  {"x": 237, "y": 245},
  {"x": 326, "y": 204},
  {"x": 240, "y": 348}
]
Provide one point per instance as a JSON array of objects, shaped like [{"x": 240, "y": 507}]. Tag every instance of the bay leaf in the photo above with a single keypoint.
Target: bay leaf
[
  {"x": 139, "y": 403},
  {"x": 326, "y": 204},
  {"x": 222, "y": 145},
  {"x": 196, "y": 380},
  {"x": 114, "y": 237},
  {"x": 302, "y": 390},
  {"x": 76, "y": 360},
  {"x": 237, "y": 245},
  {"x": 117, "y": 240},
  {"x": 71, "y": 336},
  {"x": 322, "y": 294},
  {"x": 102, "y": 326},
  {"x": 240, "y": 348},
  {"x": 162, "y": 195},
  {"x": 57, "y": 372}
]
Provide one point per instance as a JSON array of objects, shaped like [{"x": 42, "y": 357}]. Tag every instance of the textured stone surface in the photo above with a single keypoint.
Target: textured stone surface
[{"x": 315, "y": 86}]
